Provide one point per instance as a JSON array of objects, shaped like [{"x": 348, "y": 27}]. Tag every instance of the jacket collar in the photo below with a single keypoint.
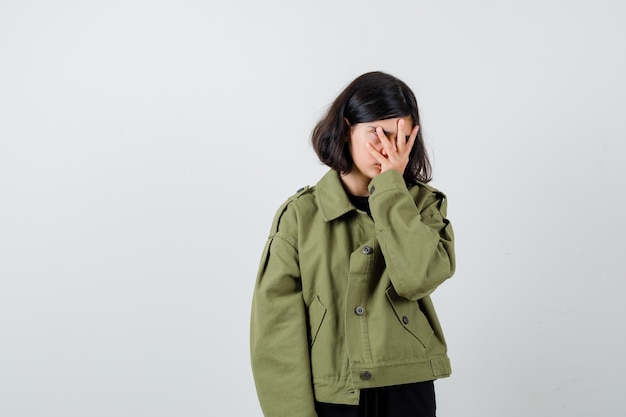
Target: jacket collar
[{"x": 331, "y": 196}]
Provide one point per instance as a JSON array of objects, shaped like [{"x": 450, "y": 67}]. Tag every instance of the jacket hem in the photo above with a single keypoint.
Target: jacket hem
[{"x": 380, "y": 375}]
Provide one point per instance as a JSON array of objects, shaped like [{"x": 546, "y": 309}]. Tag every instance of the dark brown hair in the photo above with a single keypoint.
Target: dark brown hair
[{"x": 372, "y": 96}]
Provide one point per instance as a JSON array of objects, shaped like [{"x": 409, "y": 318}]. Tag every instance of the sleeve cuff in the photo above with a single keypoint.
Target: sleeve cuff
[{"x": 386, "y": 181}]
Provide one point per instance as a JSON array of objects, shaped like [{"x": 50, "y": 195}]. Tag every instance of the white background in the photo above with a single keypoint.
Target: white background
[{"x": 145, "y": 145}]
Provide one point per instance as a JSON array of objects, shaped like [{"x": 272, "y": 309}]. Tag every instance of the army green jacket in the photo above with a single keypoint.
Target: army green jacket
[{"x": 341, "y": 301}]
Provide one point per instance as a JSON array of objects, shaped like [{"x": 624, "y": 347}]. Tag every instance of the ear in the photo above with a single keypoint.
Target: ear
[{"x": 348, "y": 130}]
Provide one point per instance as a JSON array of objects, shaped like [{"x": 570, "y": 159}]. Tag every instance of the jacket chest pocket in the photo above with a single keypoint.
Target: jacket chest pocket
[
  {"x": 410, "y": 317},
  {"x": 317, "y": 312}
]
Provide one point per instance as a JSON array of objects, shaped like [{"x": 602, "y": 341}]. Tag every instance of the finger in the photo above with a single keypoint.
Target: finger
[
  {"x": 400, "y": 138},
  {"x": 377, "y": 155},
  {"x": 412, "y": 137},
  {"x": 389, "y": 147}
]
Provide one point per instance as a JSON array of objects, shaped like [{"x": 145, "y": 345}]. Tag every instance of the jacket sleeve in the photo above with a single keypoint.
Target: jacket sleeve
[
  {"x": 278, "y": 332},
  {"x": 416, "y": 239}
]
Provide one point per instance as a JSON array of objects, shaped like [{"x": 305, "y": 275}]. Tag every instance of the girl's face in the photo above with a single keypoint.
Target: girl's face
[{"x": 365, "y": 166}]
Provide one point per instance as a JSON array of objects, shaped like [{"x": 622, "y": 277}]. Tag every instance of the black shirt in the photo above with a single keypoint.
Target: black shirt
[{"x": 362, "y": 203}]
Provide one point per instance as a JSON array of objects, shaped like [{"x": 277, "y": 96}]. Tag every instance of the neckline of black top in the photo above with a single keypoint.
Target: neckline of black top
[{"x": 361, "y": 203}]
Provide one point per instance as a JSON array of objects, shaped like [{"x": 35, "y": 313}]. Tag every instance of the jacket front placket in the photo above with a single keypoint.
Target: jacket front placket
[{"x": 362, "y": 265}]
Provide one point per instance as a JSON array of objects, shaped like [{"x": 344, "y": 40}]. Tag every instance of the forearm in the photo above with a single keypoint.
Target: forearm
[{"x": 416, "y": 239}]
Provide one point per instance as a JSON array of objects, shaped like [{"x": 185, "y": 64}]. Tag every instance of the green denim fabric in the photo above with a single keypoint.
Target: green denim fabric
[{"x": 341, "y": 301}]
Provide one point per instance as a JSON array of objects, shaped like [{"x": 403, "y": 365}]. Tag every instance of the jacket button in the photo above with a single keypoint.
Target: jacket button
[
  {"x": 367, "y": 250},
  {"x": 366, "y": 375},
  {"x": 359, "y": 311},
  {"x": 405, "y": 320},
  {"x": 372, "y": 189}
]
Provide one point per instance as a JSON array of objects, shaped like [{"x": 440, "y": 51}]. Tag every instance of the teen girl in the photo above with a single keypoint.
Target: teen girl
[{"x": 342, "y": 322}]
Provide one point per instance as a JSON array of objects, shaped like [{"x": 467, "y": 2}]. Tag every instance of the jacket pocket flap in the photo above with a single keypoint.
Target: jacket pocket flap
[
  {"x": 410, "y": 316},
  {"x": 317, "y": 312}
]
